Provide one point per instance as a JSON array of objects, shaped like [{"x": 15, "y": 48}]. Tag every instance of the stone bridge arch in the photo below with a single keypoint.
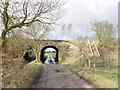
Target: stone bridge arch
[
  {"x": 43, "y": 48},
  {"x": 60, "y": 46}
]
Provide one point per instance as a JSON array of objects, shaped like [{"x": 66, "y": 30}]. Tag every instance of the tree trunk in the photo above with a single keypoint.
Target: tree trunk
[
  {"x": 5, "y": 21},
  {"x": 3, "y": 39}
]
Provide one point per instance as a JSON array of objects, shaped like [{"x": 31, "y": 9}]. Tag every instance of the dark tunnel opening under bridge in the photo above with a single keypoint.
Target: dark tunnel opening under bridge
[{"x": 43, "y": 56}]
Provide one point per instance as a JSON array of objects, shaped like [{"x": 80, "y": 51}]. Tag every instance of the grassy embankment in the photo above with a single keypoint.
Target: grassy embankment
[
  {"x": 26, "y": 75},
  {"x": 19, "y": 74}
]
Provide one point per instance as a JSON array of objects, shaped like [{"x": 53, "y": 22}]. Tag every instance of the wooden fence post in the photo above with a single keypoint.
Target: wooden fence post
[
  {"x": 90, "y": 47},
  {"x": 84, "y": 60}
]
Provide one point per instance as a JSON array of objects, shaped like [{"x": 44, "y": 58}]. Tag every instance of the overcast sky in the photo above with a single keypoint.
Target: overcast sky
[
  {"x": 49, "y": 49},
  {"x": 80, "y": 13}
]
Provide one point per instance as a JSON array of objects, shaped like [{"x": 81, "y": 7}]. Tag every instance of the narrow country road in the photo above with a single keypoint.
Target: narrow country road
[{"x": 57, "y": 76}]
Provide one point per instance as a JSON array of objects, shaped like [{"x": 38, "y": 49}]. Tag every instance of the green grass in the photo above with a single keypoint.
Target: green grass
[
  {"x": 109, "y": 70},
  {"x": 53, "y": 54},
  {"x": 112, "y": 63},
  {"x": 103, "y": 78},
  {"x": 108, "y": 74}
]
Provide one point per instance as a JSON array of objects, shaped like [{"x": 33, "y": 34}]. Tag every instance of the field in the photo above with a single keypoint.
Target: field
[
  {"x": 108, "y": 64},
  {"x": 50, "y": 53}
]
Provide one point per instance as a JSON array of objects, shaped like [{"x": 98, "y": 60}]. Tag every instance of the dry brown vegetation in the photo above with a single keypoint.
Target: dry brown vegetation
[
  {"x": 69, "y": 53},
  {"x": 11, "y": 67},
  {"x": 110, "y": 51},
  {"x": 26, "y": 76},
  {"x": 18, "y": 73},
  {"x": 108, "y": 55}
]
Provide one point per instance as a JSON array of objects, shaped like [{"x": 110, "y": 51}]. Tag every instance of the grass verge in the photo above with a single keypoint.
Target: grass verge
[
  {"x": 24, "y": 77},
  {"x": 109, "y": 64},
  {"x": 102, "y": 78}
]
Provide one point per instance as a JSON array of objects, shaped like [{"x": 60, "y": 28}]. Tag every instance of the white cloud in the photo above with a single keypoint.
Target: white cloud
[
  {"x": 81, "y": 12},
  {"x": 94, "y": 8}
]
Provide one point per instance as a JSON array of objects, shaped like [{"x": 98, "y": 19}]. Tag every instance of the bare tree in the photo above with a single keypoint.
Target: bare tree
[
  {"x": 35, "y": 33},
  {"x": 70, "y": 30},
  {"x": 63, "y": 29},
  {"x": 17, "y": 14},
  {"x": 66, "y": 30}
]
